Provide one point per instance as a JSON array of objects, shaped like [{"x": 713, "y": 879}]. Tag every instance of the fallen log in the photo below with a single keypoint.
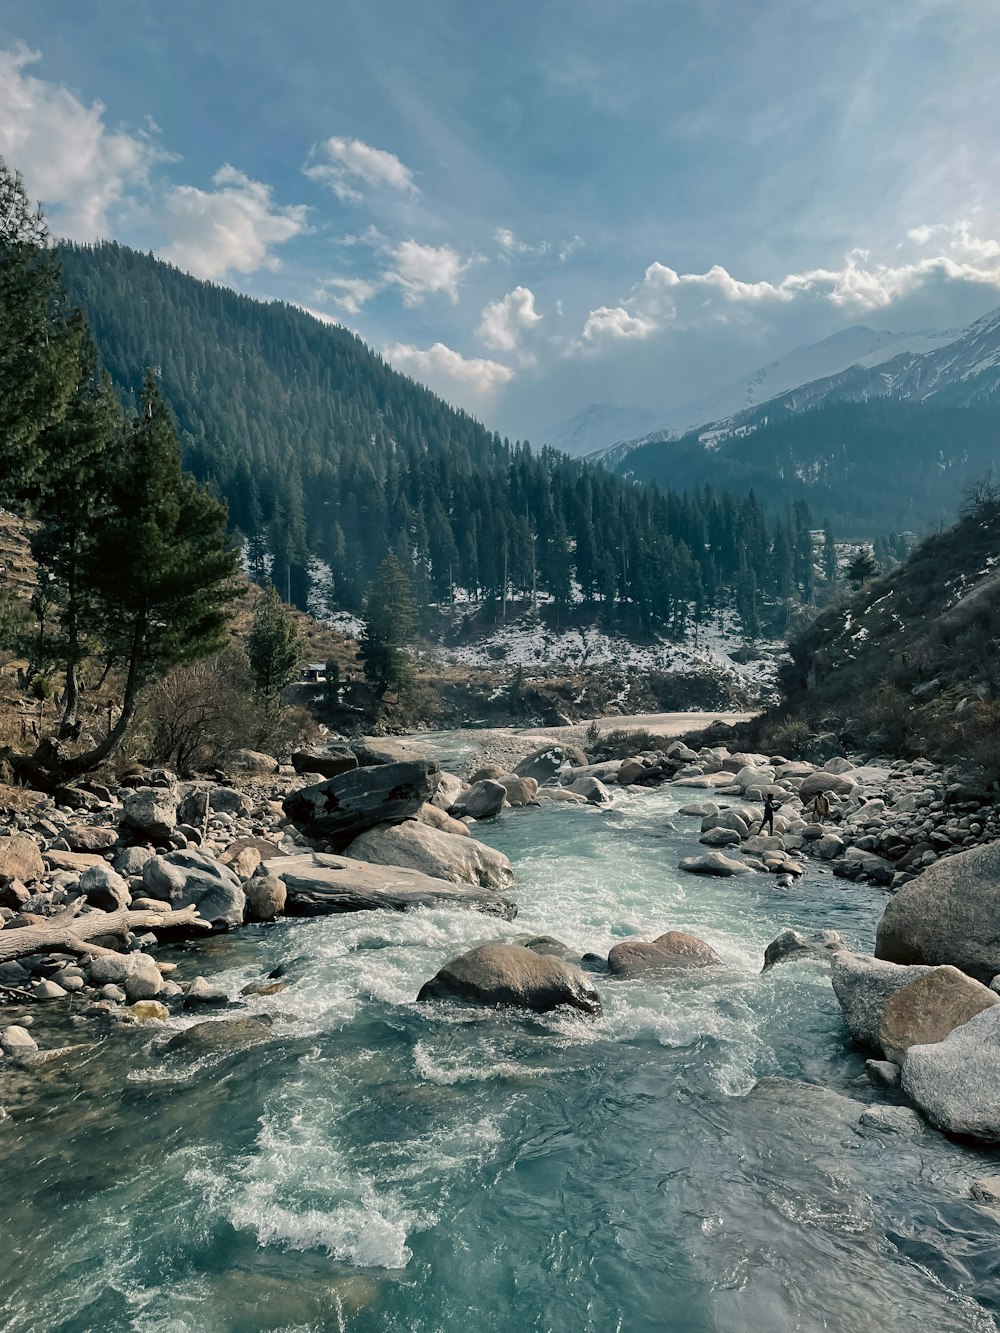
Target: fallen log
[{"x": 74, "y": 933}]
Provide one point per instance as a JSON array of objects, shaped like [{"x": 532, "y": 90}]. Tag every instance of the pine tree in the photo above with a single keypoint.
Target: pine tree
[
  {"x": 40, "y": 337},
  {"x": 829, "y": 556},
  {"x": 389, "y": 622},
  {"x": 274, "y": 648},
  {"x": 862, "y": 568}
]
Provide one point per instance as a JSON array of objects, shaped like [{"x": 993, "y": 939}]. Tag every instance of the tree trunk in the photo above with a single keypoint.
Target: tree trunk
[{"x": 72, "y": 932}]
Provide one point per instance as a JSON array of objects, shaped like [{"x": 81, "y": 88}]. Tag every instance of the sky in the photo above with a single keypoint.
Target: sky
[{"x": 533, "y": 207}]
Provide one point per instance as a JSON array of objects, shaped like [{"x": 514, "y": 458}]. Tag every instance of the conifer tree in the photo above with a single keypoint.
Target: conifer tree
[
  {"x": 274, "y": 648},
  {"x": 389, "y": 622}
]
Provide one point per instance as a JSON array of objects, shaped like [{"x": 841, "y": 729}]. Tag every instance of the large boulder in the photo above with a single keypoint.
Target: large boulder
[
  {"x": 88, "y": 838},
  {"x": 20, "y": 858},
  {"x": 520, "y": 791},
  {"x": 449, "y": 789},
  {"x": 328, "y": 760},
  {"x": 441, "y": 820},
  {"x": 319, "y": 884},
  {"x": 221, "y": 800},
  {"x": 830, "y": 784},
  {"x": 266, "y": 897},
  {"x": 863, "y": 987},
  {"x": 253, "y": 763},
  {"x": 482, "y": 800},
  {"x": 949, "y": 914},
  {"x": 544, "y": 764},
  {"x": 150, "y": 812},
  {"x": 417, "y": 845},
  {"x": 675, "y": 950},
  {"x": 342, "y": 807},
  {"x": 375, "y": 750},
  {"x": 713, "y": 863},
  {"x": 181, "y": 878},
  {"x": 104, "y": 888},
  {"x": 929, "y": 1009},
  {"x": 591, "y": 789},
  {"x": 510, "y": 974},
  {"x": 956, "y": 1082}
]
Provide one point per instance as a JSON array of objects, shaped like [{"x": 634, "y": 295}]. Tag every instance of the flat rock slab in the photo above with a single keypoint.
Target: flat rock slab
[
  {"x": 321, "y": 883},
  {"x": 344, "y": 806},
  {"x": 73, "y": 861}
]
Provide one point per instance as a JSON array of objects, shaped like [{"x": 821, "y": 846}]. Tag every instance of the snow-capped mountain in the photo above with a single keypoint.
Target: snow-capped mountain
[
  {"x": 599, "y": 425},
  {"x": 856, "y": 347}
]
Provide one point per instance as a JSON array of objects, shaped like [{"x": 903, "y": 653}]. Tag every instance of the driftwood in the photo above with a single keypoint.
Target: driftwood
[{"x": 74, "y": 933}]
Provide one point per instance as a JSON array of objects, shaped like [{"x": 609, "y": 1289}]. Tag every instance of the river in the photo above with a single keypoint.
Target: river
[{"x": 689, "y": 1161}]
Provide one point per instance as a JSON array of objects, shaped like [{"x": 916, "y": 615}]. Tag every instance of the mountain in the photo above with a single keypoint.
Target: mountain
[
  {"x": 898, "y": 439},
  {"x": 600, "y": 425},
  {"x": 856, "y": 346},
  {"x": 329, "y": 460}
]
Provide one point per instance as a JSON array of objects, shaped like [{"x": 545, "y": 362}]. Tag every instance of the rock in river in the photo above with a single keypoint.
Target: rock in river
[
  {"x": 956, "y": 1082},
  {"x": 462, "y": 860},
  {"x": 793, "y": 945},
  {"x": 510, "y": 974},
  {"x": 863, "y": 986},
  {"x": 674, "y": 950},
  {"x": 713, "y": 863},
  {"x": 949, "y": 914},
  {"x": 318, "y": 884},
  {"x": 483, "y": 800},
  {"x": 929, "y": 1009},
  {"x": 342, "y": 807}
]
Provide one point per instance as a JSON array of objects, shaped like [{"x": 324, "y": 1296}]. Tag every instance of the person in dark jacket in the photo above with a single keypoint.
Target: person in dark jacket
[{"x": 768, "y": 819}]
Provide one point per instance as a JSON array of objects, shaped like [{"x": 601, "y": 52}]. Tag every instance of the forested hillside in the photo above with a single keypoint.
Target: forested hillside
[
  {"x": 321, "y": 449},
  {"x": 869, "y": 466}
]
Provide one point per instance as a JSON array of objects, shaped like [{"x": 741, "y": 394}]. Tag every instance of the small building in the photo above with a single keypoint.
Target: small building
[{"x": 313, "y": 673}]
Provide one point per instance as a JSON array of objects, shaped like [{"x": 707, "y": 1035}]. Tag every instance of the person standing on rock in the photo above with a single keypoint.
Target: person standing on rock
[
  {"x": 820, "y": 807},
  {"x": 768, "y": 818}
]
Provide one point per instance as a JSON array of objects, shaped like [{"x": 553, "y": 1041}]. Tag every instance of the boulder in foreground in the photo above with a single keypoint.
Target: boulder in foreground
[
  {"x": 319, "y": 883},
  {"x": 344, "y": 806},
  {"x": 512, "y": 975},
  {"x": 190, "y": 877},
  {"x": 929, "y": 1009},
  {"x": 863, "y": 987},
  {"x": 675, "y": 950},
  {"x": 956, "y": 1082},
  {"x": 949, "y": 914}
]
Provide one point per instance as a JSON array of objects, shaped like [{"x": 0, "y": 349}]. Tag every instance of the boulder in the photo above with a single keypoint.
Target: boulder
[
  {"x": 488, "y": 771},
  {"x": 266, "y": 896},
  {"x": 949, "y": 914},
  {"x": 441, "y": 855},
  {"x": 956, "y": 1082},
  {"x": 181, "y": 878},
  {"x": 892, "y": 1120},
  {"x": 560, "y": 795},
  {"x": 105, "y": 888},
  {"x": 20, "y": 858},
  {"x": 131, "y": 860},
  {"x": 713, "y": 863},
  {"x": 520, "y": 791},
  {"x": 549, "y": 945},
  {"x": 544, "y": 764},
  {"x": 329, "y": 761},
  {"x": 73, "y": 862},
  {"x": 984, "y": 1190},
  {"x": 449, "y": 789},
  {"x": 373, "y": 751},
  {"x": 254, "y": 763},
  {"x": 221, "y": 1035},
  {"x": 342, "y": 807},
  {"x": 221, "y": 800},
  {"x": 143, "y": 983},
  {"x": 929, "y": 1009},
  {"x": 828, "y": 846},
  {"x": 115, "y": 968},
  {"x": 863, "y": 987},
  {"x": 87, "y": 838},
  {"x": 482, "y": 800},
  {"x": 319, "y": 884},
  {"x": 592, "y": 790},
  {"x": 830, "y": 784},
  {"x": 631, "y": 771},
  {"x": 721, "y": 837},
  {"x": 702, "y": 809},
  {"x": 675, "y": 950},
  {"x": 150, "y": 811},
  {"x": 267, "y": 850},
  {"x": 202, "y": 992},
  {"x": 441, "y": 820},
  {"x": 16, "y": 1041},
  {"x": 510, "y": 974},
  {"x": 792, "y": 945}
]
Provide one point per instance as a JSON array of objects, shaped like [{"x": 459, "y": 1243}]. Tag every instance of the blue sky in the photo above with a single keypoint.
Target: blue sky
[{"x": 533, "y": 207}]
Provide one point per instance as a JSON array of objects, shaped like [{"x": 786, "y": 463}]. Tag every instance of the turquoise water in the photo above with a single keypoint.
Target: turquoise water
[{"x": 375, "y": 1165}]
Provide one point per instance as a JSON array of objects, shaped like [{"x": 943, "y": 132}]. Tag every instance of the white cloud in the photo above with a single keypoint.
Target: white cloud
[
  {"x": 510, "y": 245},
  {"x": 349, "y": 294},
  {"x": 616, "y": 322},
  {"x": 443, "y": 368},
  {"x": 348, "y": 162},
  {"x": 71, "y": 161},
  {"x": 504, "y": 323},
  {"x": 421, "y": 270},
  {"x": 230, "y": 229}
]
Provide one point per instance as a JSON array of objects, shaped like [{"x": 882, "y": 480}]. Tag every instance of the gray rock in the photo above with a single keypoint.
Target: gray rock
[
  {"x": 328, "y": 761},
  {"x": 131, "y": 860},
  {"x": 201, "y": 992},
  {"x": 721, "y": 837},
  {"x": 482, "y": 800},
  {"x": 547, "y": 944},
  {"x": 883, "y": 1073},
  {"x": 462, "y": 860},
  {"x": 104, "y": 888},
  {"x": 949, "y": 914},
  {"x": 181, "y": 878},
  {"x": 144, "y": 983},
  {"x": 47, "y": 990},
  {"x": 150, "y": 811},
  {"x": 442, "y": 821},
  {"x": 591, "y": 789},
  {"x": 318, "y": 884},
  {"x": 929, "y": 1009},
  {"x": 112, "y": 993},
  {"x": 863, "y": 986},
  {"x": 892, "y": 1120},
  {"x": 266, "y": 896},
  {"x": 253, "y": 763},
  {"x": 956, "y": 1082},
  {"x": 544, "y": 764},
  {"x": 713, "y": 863},
  {"x": 520, "y": 791},
  {"x": 828, "y": 846},
  {"x": 16, "y": 1041},
  {"x": 701, "y": 809},
  {"x": 986, "y": 1189},
  {"x": 794, "y": 946},
  {"x": 342, "y": 807},
  {"x": 116, "y": 968},
  {"x": 830, "y": 784},
  {"x": 449, "y": 789},
  {"x": 509, "y": 974},
  {"x": 87, "y": 838},
  {"x": 675, "y": 950},
  {"x": 222, "y": 1035},
  {"x": 221, "y": 801}
]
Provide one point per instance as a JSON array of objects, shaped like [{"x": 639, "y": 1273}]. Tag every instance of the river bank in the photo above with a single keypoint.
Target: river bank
[{"x": 688, "y": 1157}]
